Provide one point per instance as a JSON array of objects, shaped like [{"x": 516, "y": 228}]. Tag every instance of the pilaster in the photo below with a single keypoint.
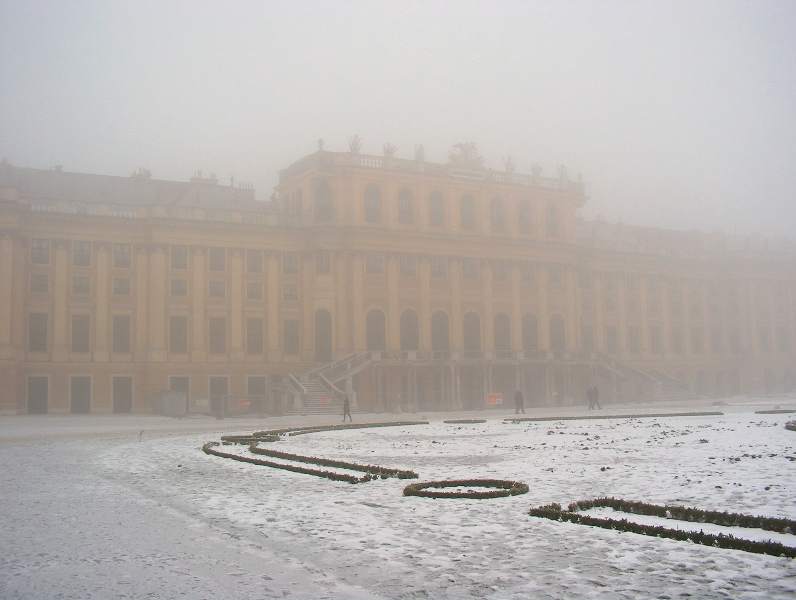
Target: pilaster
[
  {"x": 198, "y": 311},
  {"x": 101, "y": 303},
  {"x": 60, "y": 315}
]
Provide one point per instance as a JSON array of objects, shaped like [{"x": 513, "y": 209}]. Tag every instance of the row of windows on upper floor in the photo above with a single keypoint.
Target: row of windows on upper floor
[
  {"x": 178, "y": 331},
  {"x": 375, "y": 264},
  {"x": 373, "y": 209}
]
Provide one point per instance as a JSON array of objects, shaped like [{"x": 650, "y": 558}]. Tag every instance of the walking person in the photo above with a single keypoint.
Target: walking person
[
  {"x": 596, "y": 396},
  {"x": 519, "y": 402},
  {"x": 590, "y": 397},
  {"x": 347, "y": 409}
]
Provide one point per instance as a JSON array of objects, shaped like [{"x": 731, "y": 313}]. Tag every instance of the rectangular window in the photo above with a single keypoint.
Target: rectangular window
[
  {"x": 655, "y": 340},
  {"x": 524, "y": 218},
  {"x": 254, "y": 336},
  {"x": 37, "y": 332},
  {"x": 290, "y": 264},
  {"x": 556, "y": 277},
  {"x": 405, "y": 214},
  {"x": 467, "y": 213},
  {"x": 374, "y": 264},
  {"x": 677, "y": 341},
  {"x": 439, "y": 267},
  {"x": 182, "y": 385},
  {"x": 217, "y": 332},
  {"x": 121, "y": 286},
  {"x": 217, "y": 259},
  {"x": 40, "y": 252},
  {"x": 122, "y": 391},
  {"x": 179, "y": 257},
  {"x": 216, "y": 288},
  {"x": 254, "y": 261},
  {"x": 291, "y": 341},
  {"x": 527, "y": 275},
  {"x": 470, "y": 268},
  {"x": 290, "y": 293},
  {"x": 121, "y": 334},
  {"x": 254, "y": 290},
  {"x": 322, "y": 265},
  {"x": 178, "y": 334},
  {"x": 81, "y": 253},
  {"x": 80, "y": 333},
  {"x": 436, "y": 210},
  {"x": 179, "y": 287},
  {"x": 80, "y": 285},
  {"x": 697, "y": 340},
  {"x": 611, "y": 340},
  {"x": 716, "y": 340},
  {"x": 500, "y": 271},
  {"x": 39, "y": 283},
  {"x": 408, "y": 266},
  {"x": 634, "y": 339},
  {"x": 121, "y": 256}
]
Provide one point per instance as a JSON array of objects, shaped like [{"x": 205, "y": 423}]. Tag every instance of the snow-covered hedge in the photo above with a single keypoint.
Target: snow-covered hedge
[
  {"x": 627, "y": 416},
  {"x": 790, "y": 425},
  {"x": 684, "y": 513},
  {"x": 209, "y": 448},
  {"x": 556, "y": 513},
  {"x": 502, "y": 487},
  {"x": 375, "y": 471},
  {"x": 464, "y": 421}
]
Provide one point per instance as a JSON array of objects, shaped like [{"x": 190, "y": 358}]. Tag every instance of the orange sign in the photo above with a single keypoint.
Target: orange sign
[{"x": 494, "y": 399}]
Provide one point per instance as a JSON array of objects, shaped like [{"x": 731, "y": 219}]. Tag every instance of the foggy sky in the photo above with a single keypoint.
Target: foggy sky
[{"x": 678, "y": 114}]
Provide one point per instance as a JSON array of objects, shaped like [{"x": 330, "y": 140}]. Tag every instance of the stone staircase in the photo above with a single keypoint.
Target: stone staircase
[
  {"x": 322, "y": 388},
  {"x": 666, "y": 388}
]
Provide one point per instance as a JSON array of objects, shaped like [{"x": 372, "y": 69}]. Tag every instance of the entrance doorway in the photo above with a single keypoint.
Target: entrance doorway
[
  {"x": 323, "y": 336},
  {"x": 80, "y": 394},
  {"x": 218, "y": 394},
  {"x": 122, "y": 394},
  {"x": 38, "y": 392},
  {"x": 182, "y": 385}
]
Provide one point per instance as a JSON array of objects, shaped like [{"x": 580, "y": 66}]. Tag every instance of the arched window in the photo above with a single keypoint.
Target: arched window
[
  {"x": 324, "y": 205},
  {"x": 406, "y": 209},
  {"x": 467, "y": 213},
  {"x": 587, "y": 336},
  {"x": 374, "y": 330},
  {"x": 558, "y": 340},
  {"x": 497, "y": 217},
  {"x": 410, "y": 333},
  {"x": 440, "y": 335},
  {"x": 472, "y": 334},
  {"x": 530, "y": 338},
  {"x": 436, "y": 210},
  {"x": 372, "y": 204},
  {"x": 552, "y": 222},
  {"x": 502, "y": 334},
  {"x": 323, "y": 335}
]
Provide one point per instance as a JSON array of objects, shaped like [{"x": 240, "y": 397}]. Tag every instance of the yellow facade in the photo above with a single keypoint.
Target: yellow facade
[{"x": 432, "y": 286}]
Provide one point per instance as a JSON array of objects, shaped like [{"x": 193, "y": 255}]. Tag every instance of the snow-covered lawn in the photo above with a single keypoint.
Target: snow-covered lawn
[
  {"x": 87, "y": 511},
  {"x": 371, "y": 537}
]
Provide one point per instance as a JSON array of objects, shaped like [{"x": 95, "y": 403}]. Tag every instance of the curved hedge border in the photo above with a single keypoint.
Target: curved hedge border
[
  {"x": 596, "y": 417},
  {"x": 208, "y": 449},
  {"x": 504, "y": 488},
  {"x": 375, "y": 471},
  {"x": 556, "y": 513},
  {"x": 464, "y": 421}
]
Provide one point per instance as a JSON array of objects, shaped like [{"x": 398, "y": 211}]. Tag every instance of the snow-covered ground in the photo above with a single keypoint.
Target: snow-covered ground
[{"x": 97, "y": 514}]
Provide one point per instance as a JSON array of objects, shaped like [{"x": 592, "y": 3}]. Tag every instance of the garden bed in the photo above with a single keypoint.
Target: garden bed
[{"x": 501, "y": 488}]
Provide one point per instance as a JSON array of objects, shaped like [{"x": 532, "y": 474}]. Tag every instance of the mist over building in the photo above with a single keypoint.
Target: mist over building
[{"x": 406, "y": 284}]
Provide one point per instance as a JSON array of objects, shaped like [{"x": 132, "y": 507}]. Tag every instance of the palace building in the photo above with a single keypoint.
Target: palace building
[{"x": 405, "y": 284}]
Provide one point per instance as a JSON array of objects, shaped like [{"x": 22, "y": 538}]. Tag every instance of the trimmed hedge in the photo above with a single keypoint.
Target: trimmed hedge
[
  {"x": 503, "y": 488},
  {"x": 628, "y": 416},
  {"x": 790, "y": 425},
  {"x": 775, "y": 411},
  {"x": 684, "y": 513},
  {"x": 208, "y": 449},
  {"x": 464, "y": 421},
  {"x": 375, "y": 471},
  {"x": 556, "y": 513},
  {"x": 291, "y": 431}
]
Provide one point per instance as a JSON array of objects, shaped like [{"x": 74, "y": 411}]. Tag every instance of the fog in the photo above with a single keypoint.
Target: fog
[{"x": 677, "y": 114}]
